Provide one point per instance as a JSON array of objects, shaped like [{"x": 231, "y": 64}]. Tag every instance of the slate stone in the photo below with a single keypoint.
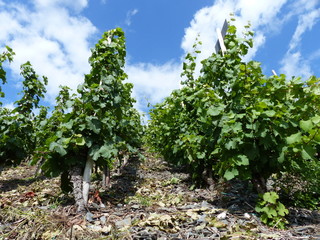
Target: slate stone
[{"x": 123, "y": 223}]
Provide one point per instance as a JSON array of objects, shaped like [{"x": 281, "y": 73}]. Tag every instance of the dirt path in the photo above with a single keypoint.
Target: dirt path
[{"x": 146, "y": 200}]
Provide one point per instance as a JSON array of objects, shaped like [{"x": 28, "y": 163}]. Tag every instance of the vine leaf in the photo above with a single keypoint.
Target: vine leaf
[
  {"x": 58, "y": 148},
  {"x": 294, "y": 138},
  {"x": 306, "y": 125},
  {"x": 230, "y": 174},
  {"x": 270, "y": 197}
]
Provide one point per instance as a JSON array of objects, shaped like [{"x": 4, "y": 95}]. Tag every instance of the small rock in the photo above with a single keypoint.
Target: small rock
[
  {"x": 96, "y": 228},
  {"x": 247, "y": 216},
  {"x": 202, "y": 218},
  {"x": 106, "y": 229},
  {"x": 205, "y": 204},
  {"x": 135, "y": 206},
  {"x": 43, "y": 207},
  {"x": 123, "y": 223},
  {"x": 89, "y": 217},
  {"x": 103, "y": 220},
  {"x": 222, "y": 215},
  {"x": 96, "y": 206},
  {"x": 174, "y": 236}
]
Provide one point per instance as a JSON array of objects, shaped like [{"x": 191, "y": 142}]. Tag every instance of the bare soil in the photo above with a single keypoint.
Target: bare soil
[{"x": 146, "y": 200}]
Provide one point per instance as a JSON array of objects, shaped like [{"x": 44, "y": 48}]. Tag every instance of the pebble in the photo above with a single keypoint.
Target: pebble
[
  {"x": 135, "y": 206},
  {"x": 103, "y": 220},
  {"x": 202, "y": 218},
  {"x": 89, "y": 217},
  {"x": 222, "y": 215},
  {"x": 106, "y": 229},
  {"x": 95, "y": 227},
  {"x": 123, "y": 223},
  {"x": 205, "y": 204}
]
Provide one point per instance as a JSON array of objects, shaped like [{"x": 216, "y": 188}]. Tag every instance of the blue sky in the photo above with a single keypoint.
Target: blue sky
[{"x": 56, "y": 36}]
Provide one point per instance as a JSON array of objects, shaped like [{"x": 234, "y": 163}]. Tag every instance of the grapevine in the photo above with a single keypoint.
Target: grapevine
[
  {"x": 97, "y": 126},
  {"x": 235, "y": 122}
]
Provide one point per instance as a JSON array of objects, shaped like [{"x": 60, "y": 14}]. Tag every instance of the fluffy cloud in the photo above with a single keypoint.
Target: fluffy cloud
[
  {"x": 293, "y": 63},
  {"x": 76, "y": 5},
  {"x": 153, "y": 82},
  {"x": 306, "y": 22},
  {"x": 51, "y": 38},
  {"x": 156, "y": 82},
  {"x": 266, "y": 17},
  {"x": 261, "y": 14}
]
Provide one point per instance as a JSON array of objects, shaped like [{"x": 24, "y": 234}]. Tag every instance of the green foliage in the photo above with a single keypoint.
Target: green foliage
[
  {"x": 272, "y": 211},
  {"x": 301, "y": 189},
  {"x": 305, "y": 199},
  {"x": 181, "y": 127},
  {"x": 236, "y": 121},
  {"x": 6, "y": 55},
  {"x": 98, "y": 122},
  {"x": 18, "y": 126},
  {"x": 33, "y": 90}
]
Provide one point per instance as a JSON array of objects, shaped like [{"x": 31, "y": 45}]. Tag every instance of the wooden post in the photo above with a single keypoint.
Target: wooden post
[{"x": 220, "y": 42}]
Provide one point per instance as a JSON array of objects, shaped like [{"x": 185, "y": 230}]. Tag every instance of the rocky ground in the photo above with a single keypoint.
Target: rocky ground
[{"x": 146, "y": 200}]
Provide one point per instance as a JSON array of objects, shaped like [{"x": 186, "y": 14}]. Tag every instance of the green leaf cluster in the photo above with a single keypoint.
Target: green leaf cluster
[
  {"x": 236, "y": 121},
  {"x": 7, "y": 55},
  {"x": 272, "y": 211},
  {"x": 99, "y": 121},
  {"x": 18, "y": 127}
]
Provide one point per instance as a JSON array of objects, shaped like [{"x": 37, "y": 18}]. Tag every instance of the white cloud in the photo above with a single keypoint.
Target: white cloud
[
  {"x": 261, "y": 14},
  {"x": 301, "y": 6},
  {"x": 265, "y": 19},
  {"x": 54, "y": 41},
  {"x": 153, "y": 82},
  {"x": 130, "y": 14},
  {"x": 9, "y": 106},
  {"x": 76, "y": 5},
  {"x": 9, "y": 29},
  {"x": 294, "y": 63},
  {"x": 306, "y": 22}
]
